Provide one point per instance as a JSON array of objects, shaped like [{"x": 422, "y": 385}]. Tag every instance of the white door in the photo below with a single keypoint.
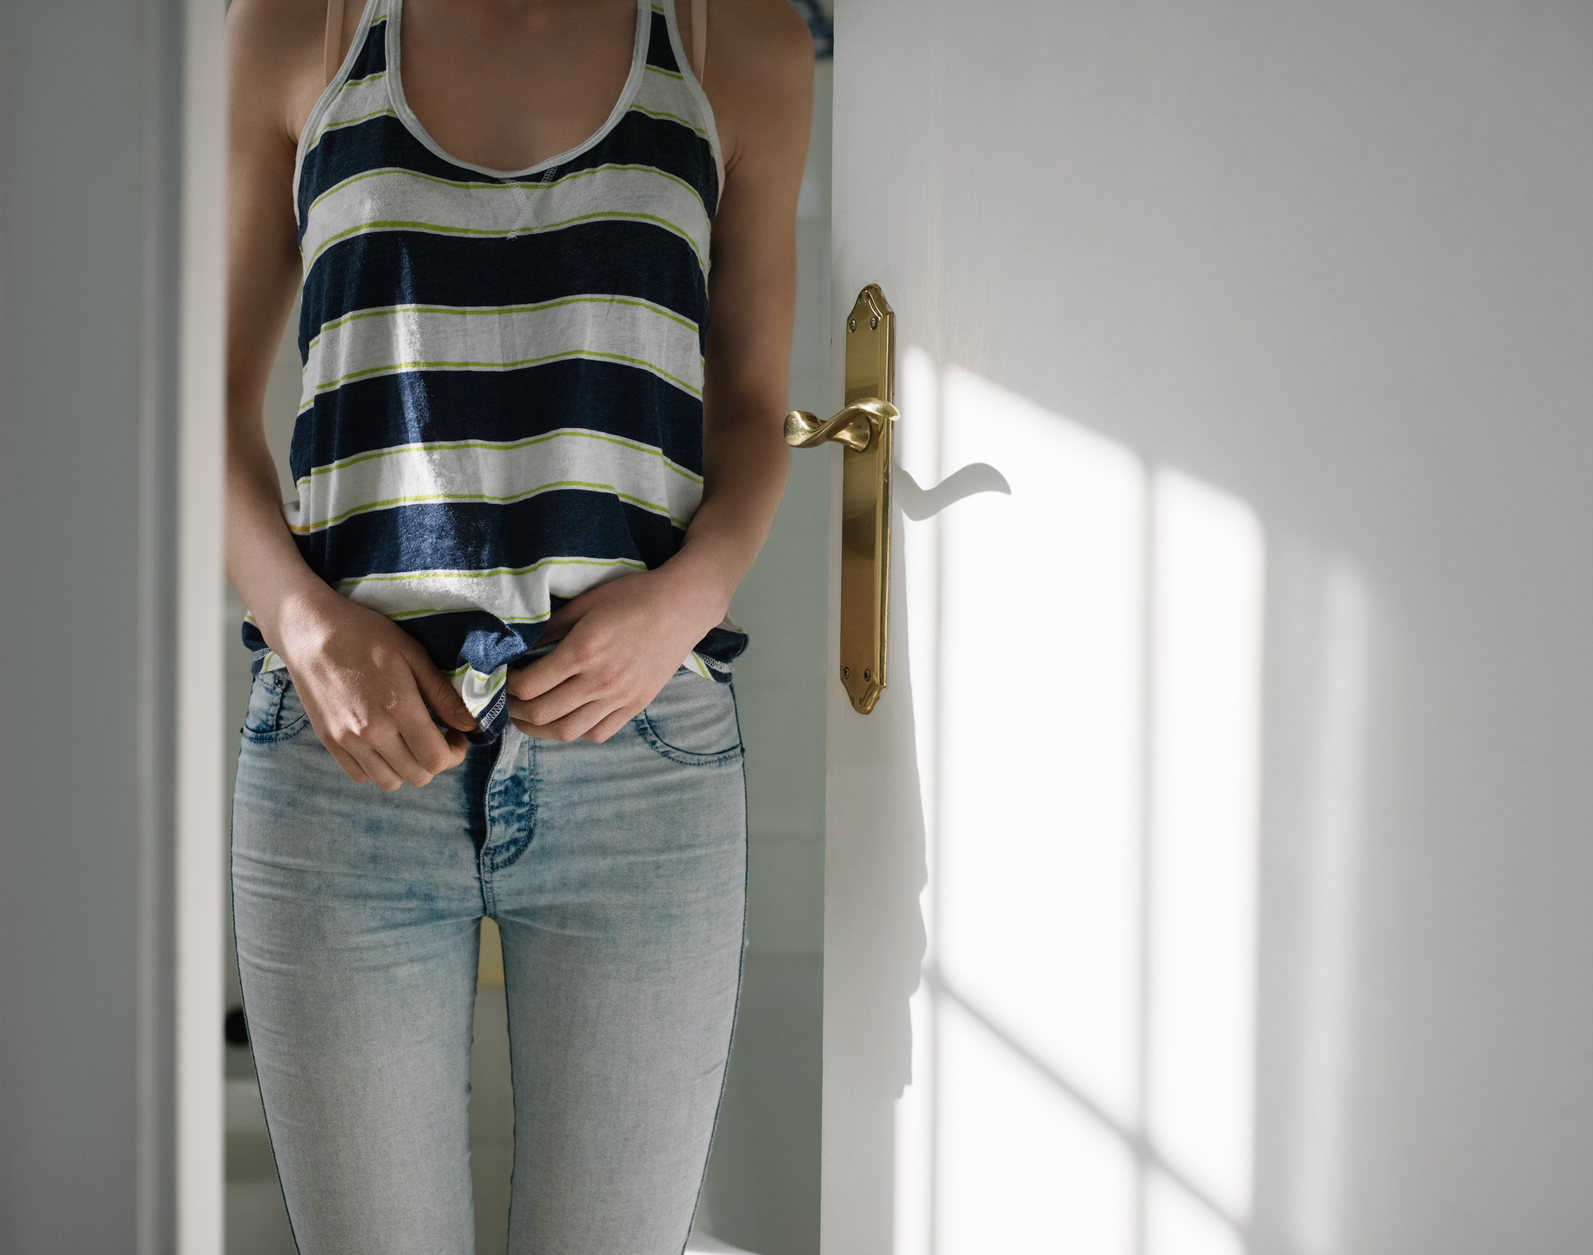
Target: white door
[{"x": 1211, "y": 875}]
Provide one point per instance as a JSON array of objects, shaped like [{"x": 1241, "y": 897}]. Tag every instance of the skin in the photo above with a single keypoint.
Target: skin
[{"x": 507, "y": 84}]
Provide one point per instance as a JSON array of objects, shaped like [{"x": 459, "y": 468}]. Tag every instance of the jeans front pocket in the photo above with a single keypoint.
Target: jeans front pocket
[
  {"x": 275, "y": 712},
  {"x": 692, "y": 721}
]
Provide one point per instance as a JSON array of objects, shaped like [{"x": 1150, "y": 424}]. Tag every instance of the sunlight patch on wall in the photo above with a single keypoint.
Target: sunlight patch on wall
[
  {"x": 1006, "y": 1135},
  {"x": 1204, "y": 791},
  {"x": 1334, "y": 839},
  {"x": 1040, "y": 704},
  {"x": 1177, "y": 1224},
  {"x": 1085, "y": 660}
]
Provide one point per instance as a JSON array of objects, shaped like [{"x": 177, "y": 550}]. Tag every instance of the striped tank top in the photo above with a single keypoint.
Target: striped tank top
[{"x": 503, "y": 371}]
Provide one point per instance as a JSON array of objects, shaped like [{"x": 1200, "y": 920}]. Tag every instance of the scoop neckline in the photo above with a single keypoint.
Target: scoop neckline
[{"x": 406, "y": 115}]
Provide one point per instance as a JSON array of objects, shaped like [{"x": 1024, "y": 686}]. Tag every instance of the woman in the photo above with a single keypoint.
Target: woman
[{"x": 538, "y": 448}]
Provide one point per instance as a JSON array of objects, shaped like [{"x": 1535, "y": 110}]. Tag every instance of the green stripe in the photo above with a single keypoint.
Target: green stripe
[
  {"x": 502, "y": 618},
  {"x": 398, "y": 367},
  {"x": 428, "y": 498},
  {"x": 494, "y": 311},
  {"x": 658, "y": 69},
  {"x": 528, "y": 185},
  {"x": 396, "y": 224},
  {"x": 369, "y": 78},
  {"x": 338, "y": 126},
  {"x": 671, "y": 117},
  {"x": 499, "y": 446}
]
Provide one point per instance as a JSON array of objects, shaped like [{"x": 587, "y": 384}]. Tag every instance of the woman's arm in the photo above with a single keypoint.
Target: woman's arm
[
  {"x": 622, "y": 641},
  {"x": 365, "y": 683}
]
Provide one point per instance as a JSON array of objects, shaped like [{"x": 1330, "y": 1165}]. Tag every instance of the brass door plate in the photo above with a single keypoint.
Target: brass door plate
[{"x": 866, "y": 505}]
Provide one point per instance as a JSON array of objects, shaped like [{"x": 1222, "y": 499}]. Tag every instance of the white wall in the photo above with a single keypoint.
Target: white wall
[
  {"x": 68, "y": 1103},
  {"x": 1333, "y": 264},
  {"x": 110, "y": 388}
]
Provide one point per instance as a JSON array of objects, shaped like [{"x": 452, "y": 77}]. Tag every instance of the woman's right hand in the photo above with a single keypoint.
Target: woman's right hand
[
  {"x": 370, "y": 691},
  {"x": 369, "y": 687}
]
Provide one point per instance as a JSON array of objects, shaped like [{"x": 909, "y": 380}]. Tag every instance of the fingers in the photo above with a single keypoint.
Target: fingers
[
  {"x": 588, "y": 721},
  {"x": 609, "y": 725},
  {"x": 569, "y": 728},
  {"x": 374, "y": 766},
  {"x": 398, "y": 746},
  {"x": 544, "y": 673},
  {"x": 568, "y": 695},
  {"x": 422, "y": 745},
  {"x": 557, "y": 703},
  {"x": 568, "y": 614},
  {"x": 350, "y": 765},
  {"x": 410, "y": 747},
  {"x": 390, "y": 763},
  {"x": 442, "y": 698}
]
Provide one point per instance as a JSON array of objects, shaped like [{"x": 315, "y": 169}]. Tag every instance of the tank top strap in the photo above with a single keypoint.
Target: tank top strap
[{"x": 699, "y": 37}]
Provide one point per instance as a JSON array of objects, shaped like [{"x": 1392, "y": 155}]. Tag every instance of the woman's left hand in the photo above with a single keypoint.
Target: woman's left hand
[{"x": 618, "y": 644}]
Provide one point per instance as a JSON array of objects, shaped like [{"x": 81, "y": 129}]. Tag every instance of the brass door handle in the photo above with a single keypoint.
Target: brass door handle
[
  {"x": 865, "y": 427},
  {"x": 855, "y": 426}
]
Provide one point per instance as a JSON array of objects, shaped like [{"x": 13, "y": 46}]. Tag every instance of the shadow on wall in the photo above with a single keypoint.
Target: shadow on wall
[{"x": 1086, "y": 665}]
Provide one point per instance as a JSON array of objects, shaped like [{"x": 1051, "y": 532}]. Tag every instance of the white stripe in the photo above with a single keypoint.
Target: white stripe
[
  {"x": 434, "y": 337},
  {"x": 355, "y": 101},
  {"x": 477, "y": 688},
  {"x": 517, "y": 596},
  {"x": 495, "y": 472},
  {"x": 393, "y": 199},
  {"x": 663, "y": 94}
]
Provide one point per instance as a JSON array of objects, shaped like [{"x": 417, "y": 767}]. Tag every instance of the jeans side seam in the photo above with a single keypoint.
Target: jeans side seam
[
  {"x": 735, "y": 1011},
  {"x": 243, "y": 1004}
]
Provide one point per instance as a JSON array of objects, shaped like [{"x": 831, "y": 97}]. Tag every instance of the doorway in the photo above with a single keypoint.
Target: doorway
[{"x": 761, "y": 1193}]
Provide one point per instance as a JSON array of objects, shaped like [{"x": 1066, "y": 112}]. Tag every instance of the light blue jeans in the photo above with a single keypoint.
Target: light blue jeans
[{"x": 617, "y": 874}]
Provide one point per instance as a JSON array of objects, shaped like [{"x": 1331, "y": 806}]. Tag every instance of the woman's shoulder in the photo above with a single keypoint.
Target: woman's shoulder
[
  {"x": 275, "y": 51},
  {"x": 759, "y": 74}
]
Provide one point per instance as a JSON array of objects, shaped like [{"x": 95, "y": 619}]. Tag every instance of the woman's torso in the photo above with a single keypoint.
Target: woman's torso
[{"x": 502, "y": 401}]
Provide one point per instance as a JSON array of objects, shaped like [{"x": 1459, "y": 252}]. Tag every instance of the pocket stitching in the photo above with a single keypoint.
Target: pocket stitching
[
  {"x": 279, "y": 733},
  {"x": 688, "y": 758}
]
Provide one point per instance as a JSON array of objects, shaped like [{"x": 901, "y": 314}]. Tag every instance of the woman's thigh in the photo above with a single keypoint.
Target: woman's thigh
[
  {"x": 622, "y": 919},
  {"x": 357, "y": 916}
]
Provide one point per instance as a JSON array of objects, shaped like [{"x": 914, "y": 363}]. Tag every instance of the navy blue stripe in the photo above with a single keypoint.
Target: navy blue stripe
[
  {"x": 421, "y": 406},
  {"x": 464, "y": 536},
  {"x": 722, "y": 646},
  {"x": 376, "y": 143},
  {"x": 486, "y": 642},
  {"x": 384, "y": 141},
  {"x": 632, "y": 259},
  {"x": 641, "y": 140},
  {"x": 659, "y": 50},
  {"x": 618, "y": 258},
  {"x": 373, "y": 54}
]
